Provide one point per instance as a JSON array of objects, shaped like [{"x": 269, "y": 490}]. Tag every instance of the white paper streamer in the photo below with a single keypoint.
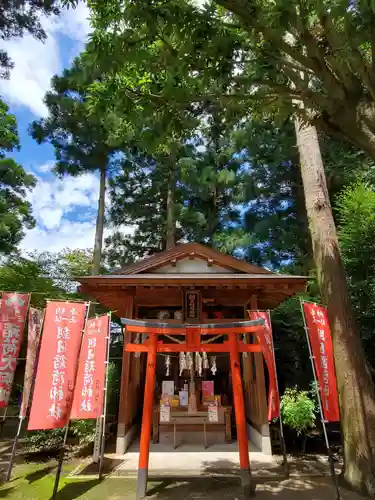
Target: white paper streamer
[
  {"x": 213, "y": 365},
  {"x": 182, "y": 362},
  {"x": 167, "y": 365}
]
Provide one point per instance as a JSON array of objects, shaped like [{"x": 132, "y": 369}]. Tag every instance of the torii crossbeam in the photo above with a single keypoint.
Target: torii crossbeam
[{"x": 193, "y": 333}]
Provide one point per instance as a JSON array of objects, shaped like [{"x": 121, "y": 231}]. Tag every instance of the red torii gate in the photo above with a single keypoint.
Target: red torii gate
[{"x": 192, "y": 333}]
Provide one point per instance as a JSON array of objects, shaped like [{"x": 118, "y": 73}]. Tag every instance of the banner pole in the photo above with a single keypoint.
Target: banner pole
[
  {"x": 282, "y": 437},
  {"x": 317, "y": 389},
  {"x": 14, "y": 448},
  {"x": 105, "y": 399},
  {"x": 2, "y": 422},
  {"x": 62, "y": 450},
  {"x": 22, "y": 417}
]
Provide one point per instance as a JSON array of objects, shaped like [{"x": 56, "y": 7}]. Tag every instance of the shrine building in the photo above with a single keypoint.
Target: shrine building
[{"x": 192, "y": 284}]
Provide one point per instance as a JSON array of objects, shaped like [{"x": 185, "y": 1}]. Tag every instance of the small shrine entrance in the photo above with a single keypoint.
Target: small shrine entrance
[
  {"x": 193, "y": 334},
  {"x": 187, "y": 296}
]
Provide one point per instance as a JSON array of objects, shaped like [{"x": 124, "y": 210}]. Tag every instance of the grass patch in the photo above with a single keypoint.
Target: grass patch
[{"x": 35, "y": 482}]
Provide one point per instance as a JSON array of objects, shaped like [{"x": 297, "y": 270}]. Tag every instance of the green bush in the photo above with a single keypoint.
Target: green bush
[
  {"x": 84, "y": 430},
  {"x": 298, "y": 410},
  {"x": 45, "y": 440}
]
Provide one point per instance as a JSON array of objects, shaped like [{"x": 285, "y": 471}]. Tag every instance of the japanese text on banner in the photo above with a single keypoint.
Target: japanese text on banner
[
  {"x": 54, "y": 384},
  {"x": 89, "y": 391},
  {"x": 13, "y": 312},
  {"x": 321, "y": 345},
  {"x": 33, "y": 338},
  {"x": 266, "y": 343}
]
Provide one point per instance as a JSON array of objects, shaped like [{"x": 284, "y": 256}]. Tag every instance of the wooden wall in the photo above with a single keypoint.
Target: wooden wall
[{"x": 254, "y": 381}]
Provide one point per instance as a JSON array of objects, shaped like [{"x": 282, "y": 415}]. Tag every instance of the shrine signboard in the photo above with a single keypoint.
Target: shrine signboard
[{"x": 192, "y": 305}]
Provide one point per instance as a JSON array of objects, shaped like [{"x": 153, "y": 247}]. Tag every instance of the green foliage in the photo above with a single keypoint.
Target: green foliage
[
  {"x": 15, "y": 210},
  {"x": 298, "y": 410},
  {"x": 18, "y": 17},
  {"x": 65, "y": 266},
  {"x": 84, "y": 430},
  {"x": 46, "y": 274},
  {"x": 238, "y": 54},
  {"x": 45, "y": 440},
  {"x": 52, "y": 440},
  {"x": 114, "y": 384},
  {"x": 356, "y": 212}
]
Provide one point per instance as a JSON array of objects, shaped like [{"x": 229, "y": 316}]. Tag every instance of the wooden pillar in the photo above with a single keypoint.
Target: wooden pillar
[
  {"x": 123, "y": 426},
  {"x": 260, "y": 377},
  {"x": 239, "y": 408},
  {"x": 148, "y": 404}
]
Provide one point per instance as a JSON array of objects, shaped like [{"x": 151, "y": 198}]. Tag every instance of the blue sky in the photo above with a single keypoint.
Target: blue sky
[{"x": 64, "y": 209}]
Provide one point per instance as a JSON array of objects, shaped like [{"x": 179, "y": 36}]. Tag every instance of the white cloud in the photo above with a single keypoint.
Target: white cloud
[
  {"x": 69, "y": 234},
  {"x": 36, "y": 62},
  {"x": 65, "y": 213},
  {"x": 55, "y": 198}
]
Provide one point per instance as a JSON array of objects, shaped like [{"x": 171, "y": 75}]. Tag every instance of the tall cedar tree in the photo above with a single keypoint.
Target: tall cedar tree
[
  {"x": 15, "y": 210},
  {"x": 206, "y": 189},
  {"x": 354, "y": 382},
  {"x": 81, "y": 142},
  {"x": 274, "y": 191},
  {"x": 332, "y": 47}
]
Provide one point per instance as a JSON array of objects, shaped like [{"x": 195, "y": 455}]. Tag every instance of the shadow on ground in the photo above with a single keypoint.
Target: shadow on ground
[
  {"x": 212, "y": 489},
  {"x": 76, "y": 489},
  {"x": 39, "y": 474}
]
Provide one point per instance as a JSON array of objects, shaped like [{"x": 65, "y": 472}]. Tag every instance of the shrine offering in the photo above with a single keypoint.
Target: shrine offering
[
  {"x": 213, "y": 412},
  {"x": 167, "y": 387},
  {"x": 207, "y": 388},
  {"x": 165, "y": 413},
  {"x": 13, "y": 310},
  {"x": 184, "y": 398},
  {"x": 89, "y": 390},
  {"x": 55, "y": 378}
]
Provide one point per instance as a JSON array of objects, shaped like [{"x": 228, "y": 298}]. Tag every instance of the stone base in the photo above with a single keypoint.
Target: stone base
[
  {"x": 123, "y": 442},
  {"x": 261, "y": 440}
]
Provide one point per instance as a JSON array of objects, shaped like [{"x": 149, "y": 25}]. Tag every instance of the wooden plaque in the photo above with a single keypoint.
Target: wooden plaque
[{"x": 192, "y": 306}]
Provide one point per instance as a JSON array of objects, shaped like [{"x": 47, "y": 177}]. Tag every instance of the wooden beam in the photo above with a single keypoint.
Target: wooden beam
[
  {"x": 124, "y": 407},
  {"x": 260, "y": 377},
  {"x": 224, "y": 347}
]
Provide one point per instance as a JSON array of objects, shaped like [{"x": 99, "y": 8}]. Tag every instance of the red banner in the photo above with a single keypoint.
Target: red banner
[
  {"x": 266, "y": 342},
  {"x": 54, "y": 383},
  {"x": 89, "y": 391},
  {"x": 322, "y": 348},
  {"x": 13, "y": 312},
  {"x": 33, "y": 337}
]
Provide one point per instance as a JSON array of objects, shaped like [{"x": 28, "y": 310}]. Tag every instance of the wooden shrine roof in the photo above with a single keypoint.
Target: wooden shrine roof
[
  {"x": 153, "y": 282},
  {"x": 192, "y": 250}
]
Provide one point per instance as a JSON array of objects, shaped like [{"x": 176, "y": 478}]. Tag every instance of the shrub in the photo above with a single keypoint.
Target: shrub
[
  {"x": 298, "y": 410},
  {"x": 84, "y": 430}
]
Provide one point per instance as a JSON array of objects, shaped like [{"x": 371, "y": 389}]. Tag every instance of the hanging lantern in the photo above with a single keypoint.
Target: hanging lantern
[
  {"x": 213, "y": 365},
  {"x": 206, "y": 364},
  {"x": 167, "y": 365},
  {"x": 198, "y": 363},
  {"x": 182, "y": 362}
]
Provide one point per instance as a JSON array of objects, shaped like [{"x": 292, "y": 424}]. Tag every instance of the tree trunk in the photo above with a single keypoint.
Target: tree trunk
[
  {"x": 355, "y": 386},
  {"x": 171, "y": 218},
  {"x": 99, "y": 223}
]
